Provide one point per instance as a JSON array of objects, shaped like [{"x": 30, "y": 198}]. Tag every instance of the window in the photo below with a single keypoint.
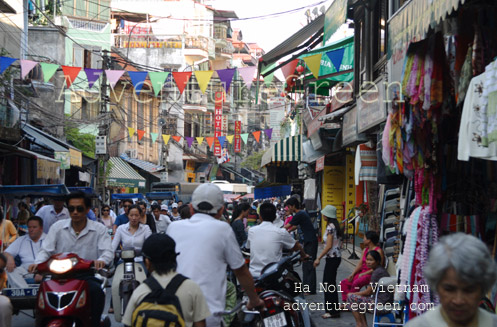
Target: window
[
  {"x": 379, "y": 36},
  {"x": 151, "y": 119},
  {"x": 395, "y": 6},
  {"x": 129, "y": 109},
  {"x": 139, "y": 116},
  {"x": 89, "y": 108},
  {"x": 188, "y": 125}
]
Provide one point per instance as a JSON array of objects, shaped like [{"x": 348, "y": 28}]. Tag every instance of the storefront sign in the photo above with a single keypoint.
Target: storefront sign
[
  {"x": 218, "y": 122},
  {"x": 333, "y": 190},
  {"x": 335, "y": 16},
  {"x": 276, "y": 108},
  {"x": 190, "y": 166},
  {"x": 349, "y": 127},
  {"x": 64, "y": 158},
  {"x": 47, "y": 169},
  {"x": 76, "y": 158},
  {"x": 349, "y": 187},
  {"x": 371, "y": 108},
  {"x": 238, "y": 139},
  {"x": 320, "y": 164}
]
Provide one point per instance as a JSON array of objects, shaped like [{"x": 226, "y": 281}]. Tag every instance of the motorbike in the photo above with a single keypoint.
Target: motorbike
[
  {"x": 63, "y": 299},
  {"x": 128, "y": 275}
]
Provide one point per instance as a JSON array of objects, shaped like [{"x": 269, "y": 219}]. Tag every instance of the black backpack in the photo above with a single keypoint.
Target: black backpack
[{"x": 161, "y": 307}]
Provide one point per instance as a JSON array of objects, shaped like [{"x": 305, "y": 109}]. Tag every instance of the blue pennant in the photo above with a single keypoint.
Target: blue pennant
[{"x": 336, "y": 57}]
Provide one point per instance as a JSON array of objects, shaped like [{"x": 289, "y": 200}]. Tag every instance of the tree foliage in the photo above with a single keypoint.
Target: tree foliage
[
  {"x": 83, "y": 141},
  {"x": 253, "y": 161}
]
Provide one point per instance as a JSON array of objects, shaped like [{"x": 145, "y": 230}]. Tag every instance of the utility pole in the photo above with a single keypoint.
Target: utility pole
[{"x": 103, "y": 132}]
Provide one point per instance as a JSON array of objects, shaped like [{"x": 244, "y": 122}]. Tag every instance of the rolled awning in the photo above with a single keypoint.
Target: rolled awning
[
  {"x": 122, "y": 175},
  {"x": 285, "y": 150}
]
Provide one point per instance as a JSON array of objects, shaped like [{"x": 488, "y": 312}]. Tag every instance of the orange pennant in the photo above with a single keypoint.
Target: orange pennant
[
  {"x": 176, "y": 138},
  {"x": 209, "y": 141},
  {"x": 70, "y": 73},
  {"x": 257, "y": 135},
  {"x": 140, "y": 134},
  {"x": 181, "y": 79}
]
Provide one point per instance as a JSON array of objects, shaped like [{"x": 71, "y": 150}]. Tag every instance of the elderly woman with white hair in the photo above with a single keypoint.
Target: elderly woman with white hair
[{"x": 461, "y": 271}]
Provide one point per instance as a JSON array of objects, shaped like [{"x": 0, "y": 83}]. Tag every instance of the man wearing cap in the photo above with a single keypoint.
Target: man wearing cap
[
  {"x": 160, "y": 259},
  {"x": 162, "y": 221},
  {"x": 207, "y": 246},
  {"x": 52, "y": 213},
  {"x": 175, "y": 213}
]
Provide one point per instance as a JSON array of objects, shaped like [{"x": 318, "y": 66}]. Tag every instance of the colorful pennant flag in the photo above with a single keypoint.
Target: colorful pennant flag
[
  {"x": 140, "y": 134},
  {"x": 244, "y": 137},
  {"x": 154, "y": 136},
  {"x": 314, "y": 64},
  {"x": 230, "y": 138},
  {"x": 336, "y": 57},
  {"x": 113, "y": 76},
  {"x": 247, "y": 74},
  {"x": 137, "y": 79},
  {"x": 48, "y": 70},
  {"x": 210, "y": 141},
  {"x": 221, "y": 140},
  {"x": 289, "y": 70},
  {"x": 200, "y": 140},
  {"x": 92, "y": 75},
  {"x": 176, "y": 138},
  {"x": 131, "y": 131},
  {"x": 268, "y": 79},
  {"x": 203, "y": 79},
  {"x": 158, "y": 79},
  {"x": 70, "y": 74},
  {"x": 269, "y": 132},
  {"x": 166, "y": 138},
  {"x": 5, "y": 62},
  {"x": 26, "y": 67},
  {"x": 257, "y": 136},
  {"x": 226, "y": 76},
  {"x": 189, "y": 141},
  {"x": 181, "y": 79}
]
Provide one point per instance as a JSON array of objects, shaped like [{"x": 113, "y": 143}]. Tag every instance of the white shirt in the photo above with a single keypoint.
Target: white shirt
[
  {"x": 112, "y": 214},
  {"x": 128, "y": 240},
  {"x": 92, "y": 243},
  {"x": 206, "y": 247},
  {"x": 26, "y": 249},
  {"x": 266, "y": 243},
  {"x": 278, "y": 222},
  {"x": 50, "y": 217},
  {"x": 162, "y": 223}
]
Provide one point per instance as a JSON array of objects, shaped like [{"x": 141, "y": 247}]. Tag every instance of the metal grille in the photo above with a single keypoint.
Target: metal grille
[{"x": 60, "y": 301}]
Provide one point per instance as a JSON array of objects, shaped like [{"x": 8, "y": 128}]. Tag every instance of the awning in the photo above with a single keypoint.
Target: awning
[
  {"x": 311, "y": 155},
  {"x": 412, "y": 21},
  {"x": 287, "y": 149},
  {"x": 19, "y": 191},
  {"x": 144, "y": 165},
  {"x": 272, "y": 191},
  {"x": 122, "y": 175},
  {"x": 331, "y": 117}
]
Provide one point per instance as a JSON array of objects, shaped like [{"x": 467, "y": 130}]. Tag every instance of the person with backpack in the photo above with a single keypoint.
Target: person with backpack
[{"x": 165, "y": 293}]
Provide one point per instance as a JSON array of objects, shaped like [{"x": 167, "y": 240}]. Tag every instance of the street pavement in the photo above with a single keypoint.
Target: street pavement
[{"x": 345, "y": 320}]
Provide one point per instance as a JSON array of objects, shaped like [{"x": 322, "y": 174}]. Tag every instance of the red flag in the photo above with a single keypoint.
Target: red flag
[
  {"x": 70, "y": 73},
  {"x": 289, "y": 70},
  {"x": 176, "y": 138},
  {"x": 257, "y": 135},
  {"x": 140, "y": 134},
  {"x": 209, "y": 141},
  {"x": 181, "y": 79}
]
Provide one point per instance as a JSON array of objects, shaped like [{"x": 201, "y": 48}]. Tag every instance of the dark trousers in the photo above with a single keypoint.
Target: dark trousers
[
  {"x": 97, "y": 299},
  {"x": 308, "y": 270},
  {"x": 330, "y": 279}
]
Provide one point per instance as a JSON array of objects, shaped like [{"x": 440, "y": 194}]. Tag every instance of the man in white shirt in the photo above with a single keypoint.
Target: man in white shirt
[
  {"x": 88, "y": 239},
  {"x": 162, "y": 221},
  {"x": 26, "y": 247},
  {"x": 52, "y": 213},
  {"x": 267, "y": 241},
  {"x": 206, "y": 247}
]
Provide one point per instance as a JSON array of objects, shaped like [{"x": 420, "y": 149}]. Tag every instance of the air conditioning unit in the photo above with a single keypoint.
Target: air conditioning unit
[{"x": 132, "y": 153}]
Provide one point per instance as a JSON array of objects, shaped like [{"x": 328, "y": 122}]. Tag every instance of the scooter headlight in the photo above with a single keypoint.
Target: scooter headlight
[
  {"x": 82, "y": 300},
  {"x": 62, "y": 266}
]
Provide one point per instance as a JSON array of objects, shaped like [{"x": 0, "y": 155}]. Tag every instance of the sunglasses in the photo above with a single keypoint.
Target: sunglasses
[
  {"x": 126, "y": 206},
  {"x": 78, "y": 208},
  {"x": 105, "y": 210}
]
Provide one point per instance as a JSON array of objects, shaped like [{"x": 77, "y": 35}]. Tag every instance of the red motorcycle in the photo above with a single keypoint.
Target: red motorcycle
[{"x": 63, "y": 299}]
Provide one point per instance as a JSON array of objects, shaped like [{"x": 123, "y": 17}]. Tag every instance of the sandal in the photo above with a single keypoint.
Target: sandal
[{"x": 329, "y": 315}]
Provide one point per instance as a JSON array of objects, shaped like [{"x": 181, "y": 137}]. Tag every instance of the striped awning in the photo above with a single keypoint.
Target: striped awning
[{"x": 285, "y": 150}]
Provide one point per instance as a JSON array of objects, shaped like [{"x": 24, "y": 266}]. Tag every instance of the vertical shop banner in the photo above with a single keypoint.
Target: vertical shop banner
[
  {"x": 333, "y": 190},
  {"x": 238, "y": 139},
  {"x": 218, "y": 122},
  {"x": 350, "y": 189}
]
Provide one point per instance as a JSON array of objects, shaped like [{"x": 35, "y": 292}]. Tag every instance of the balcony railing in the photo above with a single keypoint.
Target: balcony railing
[{"x": 149, "y": 41}]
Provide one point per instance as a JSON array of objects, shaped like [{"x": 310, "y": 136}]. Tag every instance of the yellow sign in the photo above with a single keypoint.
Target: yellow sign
[
  {"x": 76, "y": 158},
  {"x": 190, "y": 166},
  {"x": 349, "y": 187},
  {"x": 333, "y": 190},
  {"x": 47, "y": 169}
]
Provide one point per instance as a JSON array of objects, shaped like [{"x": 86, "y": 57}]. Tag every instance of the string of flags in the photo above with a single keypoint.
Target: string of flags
[{"x": 219, "y": 140}]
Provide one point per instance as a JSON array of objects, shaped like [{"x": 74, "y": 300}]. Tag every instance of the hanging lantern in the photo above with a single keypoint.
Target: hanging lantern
[
  {"x": 300, "y": 69},
  {"x": 282, "y": 94}
]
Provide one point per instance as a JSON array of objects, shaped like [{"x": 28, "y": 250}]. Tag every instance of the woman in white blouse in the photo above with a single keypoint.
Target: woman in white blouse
[{"x": 132, "y": 234}]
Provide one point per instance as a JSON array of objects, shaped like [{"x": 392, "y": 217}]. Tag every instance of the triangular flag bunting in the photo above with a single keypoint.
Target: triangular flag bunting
[
  {"x": 203, "y": 78},
  {"x": 247, "y": 74},
  {"x": 221, "y": 140},
  {"x": 209, "y": 141},
  {"x": 92, "y": 75},
  {"x": 177, "y": 138},
  {"x": 113, "y": 76},
  {"x": 314, "y": 64},
  {"x": 189, "y": 141},
  {"x": 26, "y": 67},
  {"x": 131, "y": 131},
  {"x": 336, "y": 57},
  {"x": 70, "y": 73},
  {"x": 200, "y": 140},
  {"x": 166, "y": 138},
  {"x": 257, "y": 135},
  {"x": 226, "y": 76},
  {"x": 138, "y": 79},
  {"x": 154, "y": 136},
  {"x": 140, "y": 134},
  {"x": 5, "y": 62},
  {"x": 269, "y": 132},
  {"x": 230, "y": 138},
  {"x": 244, "y": 137},
  {"x": 48, "y": 70},
  {"x": 158, "y": 79},
  {"x": 181, "y": 79},
  {"x": 268, "y": 79},
  {"x": 289, "y": 70}
]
